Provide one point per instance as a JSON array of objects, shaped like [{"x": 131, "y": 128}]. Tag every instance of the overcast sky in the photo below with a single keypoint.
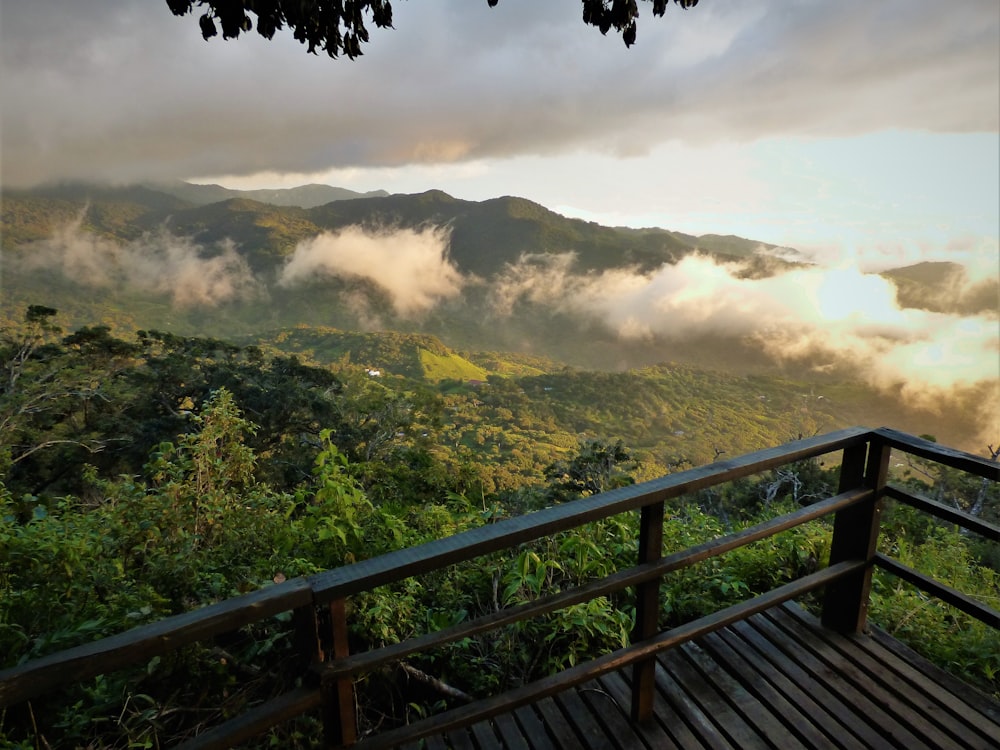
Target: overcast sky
[{"x": 857, "y": 127}]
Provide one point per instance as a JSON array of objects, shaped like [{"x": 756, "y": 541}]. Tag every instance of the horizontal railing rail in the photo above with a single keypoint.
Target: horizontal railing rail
[
  {"x": 988, "y": 470},
  {"x": 329, "y": 676},
  {"x": 144, "y": 642},
  {"x": 548, "y": 686},
  {"x": 395, "y": 566}
]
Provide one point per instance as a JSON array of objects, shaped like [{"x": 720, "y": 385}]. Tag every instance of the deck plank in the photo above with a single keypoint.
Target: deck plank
[
  {"x": 560, "y": 731},
  {"x": 758, "y": 679},
  {"x": 459, "y": 739},
  {"x": 713, "y": 702},
  {"x": 615, "y": 721},
  {"x": 704, "y": 733},
  {"x": 588, "y": 729},
  {"x": 894, "y": 697},
  {"x": 759, "y": 715},
  {"x": 967, "y": 726},
  {"x": 509, "y": 731},
  {"x": 534, "y": 728},
  {"x": 844, "y": 726},
  {"x": 859, "y": 706},
  {"x": 653, "y": 732},
  {"x": 484, "y": 736},
  {"x": 666, "y": 720},
  {"x": 775, "y": 680}
]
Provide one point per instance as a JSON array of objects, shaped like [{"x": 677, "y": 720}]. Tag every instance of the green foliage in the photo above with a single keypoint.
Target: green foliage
[
  {"x": 327, "y": 525},
  {"x": 598, "y": 467},
  {"x": 944, "y": 635}
]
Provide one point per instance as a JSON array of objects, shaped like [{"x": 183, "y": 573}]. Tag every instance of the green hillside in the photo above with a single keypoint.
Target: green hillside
[
  {"x": 178, "y": 427},
  {"x": 146, "y": 475},
  {"x": 328, "y": 318},
  {"x": 944, "y": 287},
  {"x": 304, "y": 196}
]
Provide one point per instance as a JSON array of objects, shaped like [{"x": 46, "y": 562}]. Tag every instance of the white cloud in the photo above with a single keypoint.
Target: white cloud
[
  {"x": 830, "y": 317},
  {"x": 412, "y": 266}
]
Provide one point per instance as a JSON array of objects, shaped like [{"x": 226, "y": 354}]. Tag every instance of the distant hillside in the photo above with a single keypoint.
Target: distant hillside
[
  {"x": 485, "y": 236},
  {"x": 944, "y": 287},
  {"x": 665, "y": 410},
  {"x": 143, "y": 258},
  {"x": 414, "y": 356},
  {"x": 116, "y": 212},
  {"x": 304, "y": 196}
]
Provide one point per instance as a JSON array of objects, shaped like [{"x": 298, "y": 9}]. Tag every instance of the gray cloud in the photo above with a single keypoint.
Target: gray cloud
[{"x": 124, "y": 90}]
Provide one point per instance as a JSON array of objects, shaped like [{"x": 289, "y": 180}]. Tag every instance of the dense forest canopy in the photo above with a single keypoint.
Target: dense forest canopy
[
  {"x": 144, "y": 477},
  {"x": 339, "y": 26}
]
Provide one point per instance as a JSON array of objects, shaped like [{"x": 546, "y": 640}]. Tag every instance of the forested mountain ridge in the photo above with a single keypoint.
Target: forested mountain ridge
[
  {"x": 120, "y": 254},
  {"x": 304, "y": 196},
  {"x": 109, "y": 400},
  {"x": 483, "y": 235}
]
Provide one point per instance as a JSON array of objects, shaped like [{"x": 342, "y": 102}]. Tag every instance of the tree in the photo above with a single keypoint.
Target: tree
[
  {"x": 599, "y": 466},
  {"x": 52, "y": 395},
  {"x": 339, "y": 26}
]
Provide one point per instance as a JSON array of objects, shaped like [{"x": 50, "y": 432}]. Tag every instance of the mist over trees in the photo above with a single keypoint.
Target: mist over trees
[{"x": 340, "y": 26}]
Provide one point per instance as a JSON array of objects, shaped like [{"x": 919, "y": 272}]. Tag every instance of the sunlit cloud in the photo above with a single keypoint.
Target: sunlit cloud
[
  {"x": 841, "y": 317},
  {"x": 411, "y": 266}
]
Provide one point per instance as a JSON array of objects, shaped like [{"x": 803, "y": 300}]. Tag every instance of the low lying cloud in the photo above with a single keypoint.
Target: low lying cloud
[
  {"x": 411, "y": 266},
  {"x": 832, "y": 318},
  {"x": 158, "y": 263}
]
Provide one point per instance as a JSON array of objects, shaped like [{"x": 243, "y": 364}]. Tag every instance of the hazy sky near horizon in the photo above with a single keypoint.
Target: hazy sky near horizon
[{"x": 862, "y": 128}]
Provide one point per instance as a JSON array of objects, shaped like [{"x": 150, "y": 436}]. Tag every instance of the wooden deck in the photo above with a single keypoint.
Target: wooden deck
[{"x": 777, "y": 680}]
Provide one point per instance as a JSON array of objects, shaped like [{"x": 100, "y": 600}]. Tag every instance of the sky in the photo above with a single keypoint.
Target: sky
[{"x": 856, "y": 131}]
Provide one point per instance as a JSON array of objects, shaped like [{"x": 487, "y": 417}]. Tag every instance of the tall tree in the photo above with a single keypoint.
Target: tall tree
[{"x": 339, "y": 26}]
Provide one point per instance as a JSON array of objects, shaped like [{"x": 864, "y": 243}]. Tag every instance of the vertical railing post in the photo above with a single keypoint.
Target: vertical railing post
[
  {"x": 339, "y": 721},
  {"x": 855, "y": 536},
  {"x": 308, "y": 647},
  {"x": 647, "y": 611}
]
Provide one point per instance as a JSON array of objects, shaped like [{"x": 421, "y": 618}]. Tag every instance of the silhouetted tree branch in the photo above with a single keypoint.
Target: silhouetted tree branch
[{"x": 339, "y": 26}]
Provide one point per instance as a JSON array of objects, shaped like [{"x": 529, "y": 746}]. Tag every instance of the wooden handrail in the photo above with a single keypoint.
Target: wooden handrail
[
  {"x": 140, "y": 644},
  {"x": 623, "y": 579},
  {"x": 985, "y": 529},
  {"x": 862, "y": 488},
  {"x": 547, "y": 686},
  {"x": 395, "y": 566},
  {"x": 946, "y": 594},
  {"x": 940, "y": 454}
]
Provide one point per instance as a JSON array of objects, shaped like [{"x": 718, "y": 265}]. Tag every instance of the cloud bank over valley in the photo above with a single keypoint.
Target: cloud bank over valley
[{"x": 838, "y": 320}]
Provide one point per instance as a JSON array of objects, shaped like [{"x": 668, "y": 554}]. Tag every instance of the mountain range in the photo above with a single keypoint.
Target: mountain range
[{"x": 500, "y": 275}]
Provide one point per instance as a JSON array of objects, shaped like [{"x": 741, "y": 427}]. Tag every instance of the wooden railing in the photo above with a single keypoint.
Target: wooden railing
[{"x": 329, "y": 684}]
